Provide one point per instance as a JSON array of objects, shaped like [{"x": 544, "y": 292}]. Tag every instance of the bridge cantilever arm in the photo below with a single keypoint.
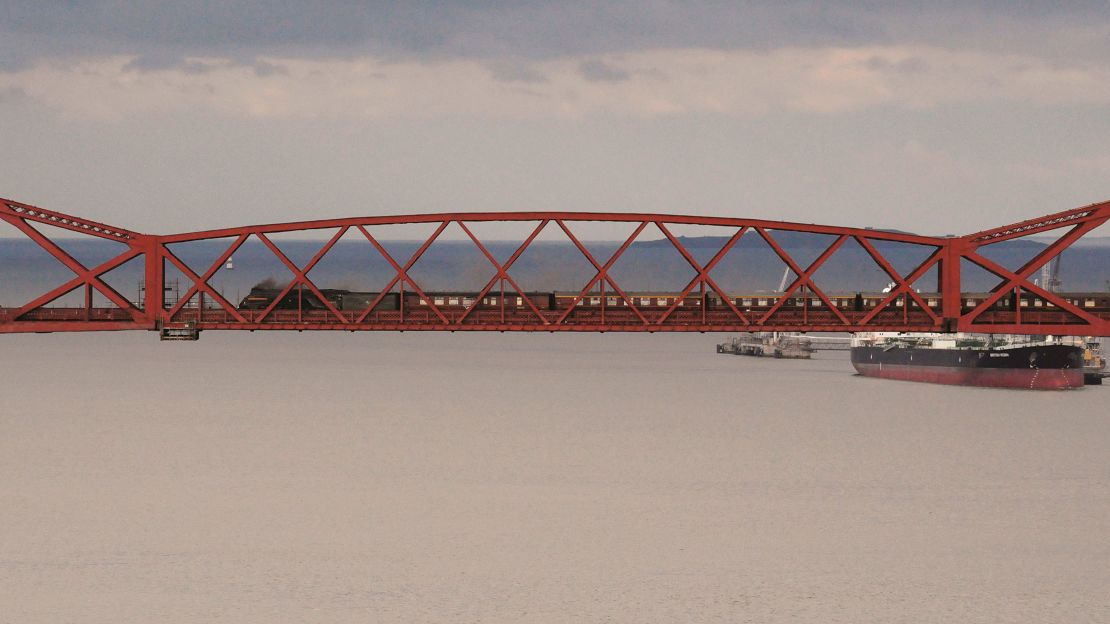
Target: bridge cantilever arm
[
  {"x": 67, "y": 222},
  {"x": 1099, "y": 212}
]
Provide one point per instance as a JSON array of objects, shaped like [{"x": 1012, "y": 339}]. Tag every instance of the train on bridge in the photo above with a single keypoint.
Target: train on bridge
[{"x": 263, "y": 298}]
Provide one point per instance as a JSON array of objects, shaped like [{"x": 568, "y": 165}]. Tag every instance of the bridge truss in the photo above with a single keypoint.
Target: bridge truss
[{"x": 600, "y": 305}]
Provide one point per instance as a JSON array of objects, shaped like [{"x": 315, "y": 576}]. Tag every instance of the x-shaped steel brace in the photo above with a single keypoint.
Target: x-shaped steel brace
[
  {"x": 902, "y": 285},
  {"x": 804, "y": 277},
  {"x": 702, "y": 276},
  {"x": 403, "y": 273},
  {"x": 1020, "y": 278},
  {"x": 84, "y": 275},
  {"x": 602, "y": 271},
  {"x": 502, "y": 271},
  {"x": 300, "y": 276},
  {"x": 1017, "y": 280},
  {"x": 200, "y": 283},
  {"x": 77, "y": 281}
]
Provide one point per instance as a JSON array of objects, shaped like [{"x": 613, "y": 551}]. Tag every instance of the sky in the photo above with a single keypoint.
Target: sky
[{"x": 166, "y": 117}]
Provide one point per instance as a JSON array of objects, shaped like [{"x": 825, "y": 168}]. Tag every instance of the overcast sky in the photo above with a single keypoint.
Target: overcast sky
[{"x": 194, "y": 114}]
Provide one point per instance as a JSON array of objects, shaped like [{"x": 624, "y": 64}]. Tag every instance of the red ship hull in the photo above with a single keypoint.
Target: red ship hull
[{"x": 1025, "y": 378}]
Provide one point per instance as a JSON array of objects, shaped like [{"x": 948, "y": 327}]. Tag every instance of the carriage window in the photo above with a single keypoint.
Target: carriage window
[
  {"x": 1090, "y": 303},
  {"x": 595, "y": 300},
  {"x": 439, "y": 300},
  {"x": 520, "y": 301},
  {"x": 746, "y": 302}
]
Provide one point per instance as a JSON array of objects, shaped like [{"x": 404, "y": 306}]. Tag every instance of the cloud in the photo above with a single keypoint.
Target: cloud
[
  {"x": 263, "y": 69},
  {"x": 9, "y": 95},
  {"x": 542, "y": 29},
  {"x": 515, "y": 71},
  {"x": 596, "y": 70},
  {"x": 163, "y": 62},
  {"x": 819, "y": 81},
  {"x": 911, "y": 65}
]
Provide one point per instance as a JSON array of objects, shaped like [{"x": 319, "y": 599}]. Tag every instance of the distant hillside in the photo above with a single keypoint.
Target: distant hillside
[
  {"x": 1091, "y": 241},
  {"x": 647, "y": 266},
  {"x": 806, "y": 240}
]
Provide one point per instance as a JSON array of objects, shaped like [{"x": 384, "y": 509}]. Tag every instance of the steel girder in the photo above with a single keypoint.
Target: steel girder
[{"x": 903, "y": 308}]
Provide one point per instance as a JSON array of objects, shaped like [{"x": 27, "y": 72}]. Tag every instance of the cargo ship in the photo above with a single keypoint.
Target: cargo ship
[{"x": 970, "y": 360}]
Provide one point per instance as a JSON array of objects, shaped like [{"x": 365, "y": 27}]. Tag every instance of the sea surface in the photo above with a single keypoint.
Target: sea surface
[{"x": 429, "y": 477}]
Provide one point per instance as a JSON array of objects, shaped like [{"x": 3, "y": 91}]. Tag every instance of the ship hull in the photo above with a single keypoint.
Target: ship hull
[{"x": 1044, "y": 367}]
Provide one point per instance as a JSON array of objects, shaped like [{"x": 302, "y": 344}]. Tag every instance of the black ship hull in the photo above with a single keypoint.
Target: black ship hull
[{"x": 1042, "y": 367}]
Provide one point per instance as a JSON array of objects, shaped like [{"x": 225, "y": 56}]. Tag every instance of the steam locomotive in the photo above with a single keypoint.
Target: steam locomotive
[{"x": 260, "y": 298}]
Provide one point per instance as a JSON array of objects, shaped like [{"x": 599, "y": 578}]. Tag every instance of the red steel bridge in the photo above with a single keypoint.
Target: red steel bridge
[{"x": 600, "y": 305}]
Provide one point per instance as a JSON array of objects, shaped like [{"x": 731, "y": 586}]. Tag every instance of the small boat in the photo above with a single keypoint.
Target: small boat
[
  {"x": 1094, "y": 362},
  {"x": 782, "y": 345}
]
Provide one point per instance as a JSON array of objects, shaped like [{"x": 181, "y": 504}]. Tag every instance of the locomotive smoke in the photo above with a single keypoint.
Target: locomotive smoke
[{"x": 269, "y": 283}]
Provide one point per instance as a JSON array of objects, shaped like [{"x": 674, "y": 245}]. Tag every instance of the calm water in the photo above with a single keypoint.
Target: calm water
[{"x": 512, "y": 478}]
